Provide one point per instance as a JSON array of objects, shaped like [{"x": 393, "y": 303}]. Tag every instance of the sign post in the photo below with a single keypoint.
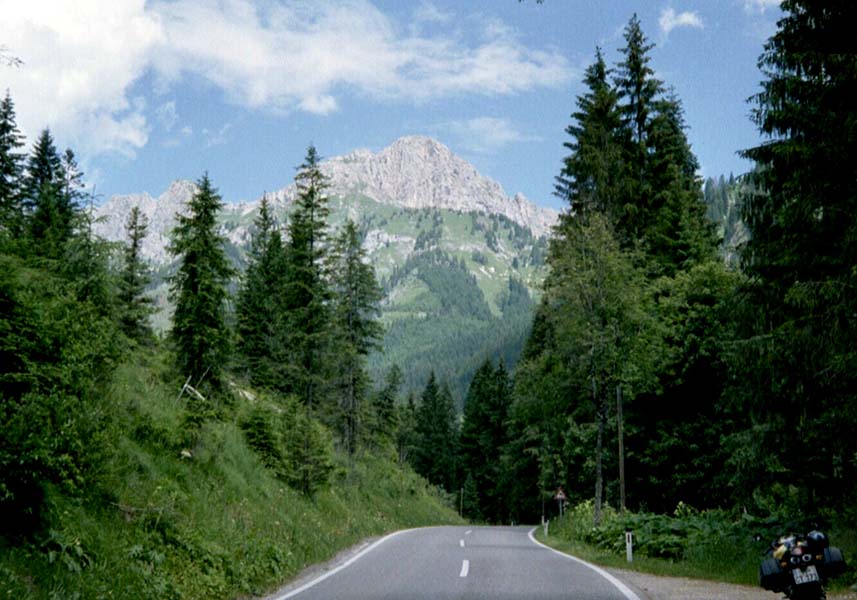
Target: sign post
[{"x": 560, "y": 497}]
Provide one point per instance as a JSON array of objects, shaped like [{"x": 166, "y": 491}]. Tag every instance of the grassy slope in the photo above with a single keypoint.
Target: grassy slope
[{"x": 216, "y": 525}]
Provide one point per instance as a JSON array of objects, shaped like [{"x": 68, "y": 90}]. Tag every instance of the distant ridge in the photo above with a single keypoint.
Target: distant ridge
[{"x": 414, "y": 172}]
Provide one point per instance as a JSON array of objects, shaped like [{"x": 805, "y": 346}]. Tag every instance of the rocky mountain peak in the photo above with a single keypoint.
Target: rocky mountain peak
[
  {"x": 419, "y": 172},
  {"x": 415, "y": 172}
]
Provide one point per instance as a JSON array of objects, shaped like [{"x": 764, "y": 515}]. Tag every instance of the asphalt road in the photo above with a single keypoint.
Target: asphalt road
[{"x": 461, "y": 563}]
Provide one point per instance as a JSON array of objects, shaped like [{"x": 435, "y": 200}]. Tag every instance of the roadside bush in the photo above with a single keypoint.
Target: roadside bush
[{"x": 686, "y": 534}]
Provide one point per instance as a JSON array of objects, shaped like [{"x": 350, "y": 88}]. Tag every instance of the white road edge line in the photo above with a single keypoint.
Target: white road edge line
[
  {"x": 626, "y": 591},
  {"x": 461, "y": 542},
  {"x": 465, "y": 568},
  {"x": 336, "y": 570}
]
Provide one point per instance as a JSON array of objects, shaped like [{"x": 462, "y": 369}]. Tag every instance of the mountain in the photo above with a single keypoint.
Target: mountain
[
  {"x": 459, "y": 260},
  {"x": 724, "y": 201}
]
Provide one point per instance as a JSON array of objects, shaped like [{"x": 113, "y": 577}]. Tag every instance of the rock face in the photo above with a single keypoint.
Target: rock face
[
  {"x": 161, "y": 213},
  {"x": 414, "y": 172},
  {"x": 420, "y": 172}
]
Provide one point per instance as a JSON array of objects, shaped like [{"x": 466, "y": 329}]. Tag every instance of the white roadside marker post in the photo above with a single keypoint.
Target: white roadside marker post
[{"x": 629, "y": 546}]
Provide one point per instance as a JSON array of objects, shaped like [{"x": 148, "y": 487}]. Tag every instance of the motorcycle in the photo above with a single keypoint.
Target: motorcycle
[{"x": 800, "y": 566}]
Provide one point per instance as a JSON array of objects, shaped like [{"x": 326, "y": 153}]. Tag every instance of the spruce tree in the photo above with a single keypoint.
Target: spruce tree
[
  {"x": 591, "y": 176},
  {"x": 406, "y": 418},
  {"x": 679, "y": 234},
  {"x": 47, "y": 203},
  {"x": 356, "y": 298},
  {"x": 797, "y": 361},
  {"x": 259, "y": 305},
  {"x": 385, "y": 416},
  {"x": 306, "y": 296},
  {"x": 11, "y": 169},
  {"x": 436, "y": 436},
  {"x": 638, "y": 90},
  {"x": 662, "y": 206},
  {"x": 135, "y": 307},
  {"x": 198, "y": 288},
  {"x": 476, "y": 443}
]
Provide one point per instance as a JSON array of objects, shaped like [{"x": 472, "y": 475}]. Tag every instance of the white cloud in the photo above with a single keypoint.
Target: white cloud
[
  {"x": 760, "y": 6},
  {"x": 429, "y": 13},
  {"x": 669, "y": 20},
  {"x": 297, "y": 56},
  {"x": 85, "y": 59},
  {"x": 167, "y": 115},
  {"x": 80, "y": 61},
  {"x": 486, "y": 135},
  {"x": 216, "y": 138}
]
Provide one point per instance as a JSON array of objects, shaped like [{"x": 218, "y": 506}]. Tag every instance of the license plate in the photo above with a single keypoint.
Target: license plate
[{"x": 810, "y": 575}]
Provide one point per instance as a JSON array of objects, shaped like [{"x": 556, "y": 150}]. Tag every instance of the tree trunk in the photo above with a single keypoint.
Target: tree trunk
[
  {"x": 599, "y": 444},
  {"x": 621, "y": 432}
]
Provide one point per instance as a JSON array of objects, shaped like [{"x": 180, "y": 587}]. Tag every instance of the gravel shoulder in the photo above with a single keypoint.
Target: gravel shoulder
[{"x": 680, "y": 588}]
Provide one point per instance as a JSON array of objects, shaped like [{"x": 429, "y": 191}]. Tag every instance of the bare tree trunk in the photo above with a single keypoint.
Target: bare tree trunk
[
  {"x": 621, "y": 433},
  {"x": 599, "y": 444}
]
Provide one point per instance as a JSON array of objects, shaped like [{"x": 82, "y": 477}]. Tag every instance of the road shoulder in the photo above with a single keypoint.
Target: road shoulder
[{"x": 657, "y": 587}]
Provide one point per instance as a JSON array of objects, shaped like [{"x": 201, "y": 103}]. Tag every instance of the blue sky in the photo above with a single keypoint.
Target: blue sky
[{"x": 149, "y": 92}]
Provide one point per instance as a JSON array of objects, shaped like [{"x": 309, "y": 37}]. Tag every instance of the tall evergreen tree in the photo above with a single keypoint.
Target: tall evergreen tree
[
  {"x": 591, "y": 176},
  {"x": 259, "y": 305},
  {"x": 198, "y": 288},
  {"x": 483, "y": 435},
  {"x": 637, "y": 89},
  {"x": 86, "y": 260},
  {"x": 46, "y": 201},
  {"x": 11, "y": 169},
  {"x": 406, "y": 429},
  {"x": 436, "y": 436},
  {"x": 356, "y": 297},
  {"x": 135, "y": 307},
  {"x": 385, "y": 417},
  {"x": 307, "y": 295},
  {"x": 662, "y": 206},
  {"x": 797, "y": 359}
]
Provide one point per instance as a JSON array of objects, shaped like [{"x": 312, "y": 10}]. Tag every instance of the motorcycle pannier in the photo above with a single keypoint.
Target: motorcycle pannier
[{"x": 771, "y": 575}]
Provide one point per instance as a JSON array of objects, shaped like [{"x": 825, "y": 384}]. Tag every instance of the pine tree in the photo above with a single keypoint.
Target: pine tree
[
  {"x": 662, "y": 206},
  {"x": 475, "y": 440},
  {"x": 384, "y": 410},
  {"x": 259, "y": 305},
  {"x": 406, "y": 430},
  {"x": 797, "y": 359},
  {"x": 86, "y": 262},
  {"x": 198, "y": 288},
  {"x": 356, "y": 298},
  {"x": 11, "y": 169},
  {"x": 638, "y": 90},
  {"x": 307, "y": 295},
  {"x": 680, "y": 233},
  {"x": 591, "y": 176},
  {"x": 46, "y": 203},
  {"x": 135, "y": 306},
  {"x": 436, "y": 436}
]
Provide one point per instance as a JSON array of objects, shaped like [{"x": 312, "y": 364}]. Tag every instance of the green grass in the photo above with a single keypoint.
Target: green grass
[
  {"x": 715, "y": 568},
  {"x": 215, "y": 525}
]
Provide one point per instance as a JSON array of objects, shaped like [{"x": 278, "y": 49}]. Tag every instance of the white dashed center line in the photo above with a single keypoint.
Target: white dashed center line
[
  {"x": 461, "y": 542},
  {"x": 465, "y": 568}
]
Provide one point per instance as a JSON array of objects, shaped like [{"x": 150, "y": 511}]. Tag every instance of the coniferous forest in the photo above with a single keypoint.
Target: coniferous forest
[{"x": 692, "y": 356}]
